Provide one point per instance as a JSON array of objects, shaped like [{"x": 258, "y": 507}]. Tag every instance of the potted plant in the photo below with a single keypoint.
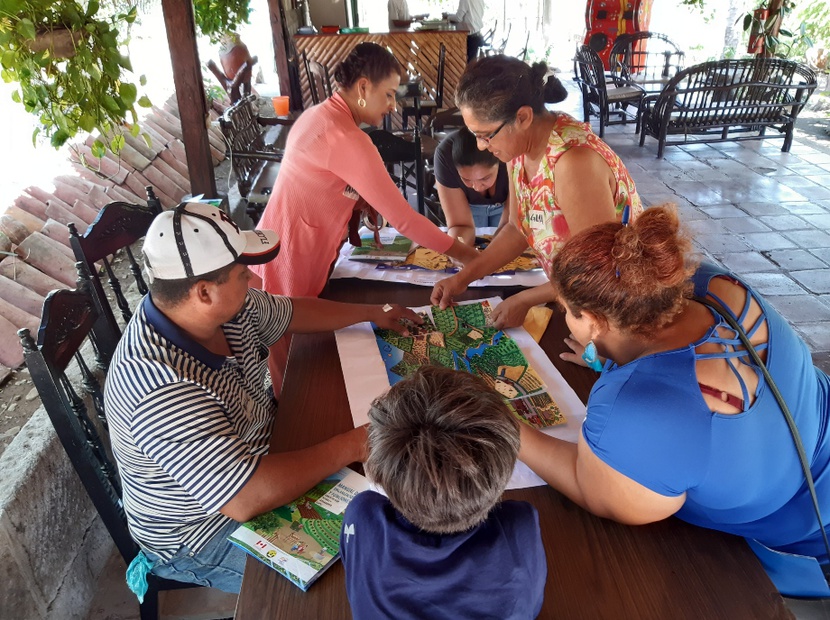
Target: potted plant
[{"x": 71, "y": 73}]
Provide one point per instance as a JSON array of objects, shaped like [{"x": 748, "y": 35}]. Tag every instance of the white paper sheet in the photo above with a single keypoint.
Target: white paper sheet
[
  {"x": 366, "y": 379},
  {"x": 345, "y": 268}
]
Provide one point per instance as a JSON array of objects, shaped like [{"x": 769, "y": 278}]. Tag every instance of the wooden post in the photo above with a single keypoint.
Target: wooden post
[
  {"x": 278, "y": 33},
  {"x": 190, "y": 94}
]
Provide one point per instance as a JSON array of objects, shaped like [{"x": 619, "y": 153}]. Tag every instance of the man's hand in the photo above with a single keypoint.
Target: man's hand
[
  {"x": 578, "y": 350},
  {"x": 510, "y": 313},
  {"x": 445, "y": 290},
  {"x": 394, "y": 317}
]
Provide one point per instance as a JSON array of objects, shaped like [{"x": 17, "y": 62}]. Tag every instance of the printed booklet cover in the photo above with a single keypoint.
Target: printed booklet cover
[
  {"x": 302, "y": 539},
  {"x": 394, "y": 250}
]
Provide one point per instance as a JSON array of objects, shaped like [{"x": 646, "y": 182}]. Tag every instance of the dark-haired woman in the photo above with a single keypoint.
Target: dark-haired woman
[
  {"x": 330, "y": 162},
  {"x": 564, "y": 178},
  {"x": 472, "y": 185},
  {"x": 681, "y": 421}
]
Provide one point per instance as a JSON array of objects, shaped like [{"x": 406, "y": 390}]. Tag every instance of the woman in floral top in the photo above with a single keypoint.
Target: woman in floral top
[{"x": 502, "y": 101}]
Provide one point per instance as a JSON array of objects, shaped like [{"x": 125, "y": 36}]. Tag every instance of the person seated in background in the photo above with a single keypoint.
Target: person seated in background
[
  {"x": 472, "y": 186},
  {"x": 682, "y": 421},
  {"x": 443, "y": 445},
  {"x": 189, "y": 411}
]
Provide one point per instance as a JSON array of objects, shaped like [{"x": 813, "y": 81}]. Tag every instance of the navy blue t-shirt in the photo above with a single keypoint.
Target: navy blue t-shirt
[{"x": 394, "y": 570}]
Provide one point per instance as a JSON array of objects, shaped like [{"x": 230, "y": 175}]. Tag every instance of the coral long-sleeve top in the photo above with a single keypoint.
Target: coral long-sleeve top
[{"x": 329, "y": 161}]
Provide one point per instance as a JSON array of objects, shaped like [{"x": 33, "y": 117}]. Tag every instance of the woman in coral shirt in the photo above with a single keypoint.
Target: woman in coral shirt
[{"x": 329, "y": 163}]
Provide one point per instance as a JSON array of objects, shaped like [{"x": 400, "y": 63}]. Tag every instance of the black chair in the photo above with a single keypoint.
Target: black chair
[
  {"x": 498, "y": 48},
  {"x": 405, "y": 159},
  {"x": 600, "y": 98},
  {"x": 319, "y": 81},
  {"x": 487, "y": 40},
  {"x": 68, "y": 319},
  {"x": 647, "y": 59},
  {"x": 251, "y": 142},
  {"x": 118, "y": 226},
  {"x": 428, "y": 107}
]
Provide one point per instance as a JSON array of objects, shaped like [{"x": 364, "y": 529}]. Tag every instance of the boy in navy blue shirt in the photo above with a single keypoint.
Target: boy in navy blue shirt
[{"x": 443, "y": 445}]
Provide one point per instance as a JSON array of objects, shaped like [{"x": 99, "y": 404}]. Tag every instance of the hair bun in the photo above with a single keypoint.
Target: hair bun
[{"x": 555, "y": 91}]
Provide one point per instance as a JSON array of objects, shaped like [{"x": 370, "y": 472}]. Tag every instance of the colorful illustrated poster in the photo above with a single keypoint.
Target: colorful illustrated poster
[
  {"x": 301, "y": 539},
  {"x": 462, "y": 337}
]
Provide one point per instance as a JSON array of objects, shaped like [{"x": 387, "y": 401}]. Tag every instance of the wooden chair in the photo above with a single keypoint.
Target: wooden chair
[
  {"x": 251, "y": 142},
  {"x": 600, "y": 98},
  {"x": 118, "y": 226},
  {"x": 408, "y": 156},
  {"x": 647, "y": 59},
  {"x": 68, "y": 319},
  {"x": 430, "y": 106},
  {"x": 319, "y": 81}
]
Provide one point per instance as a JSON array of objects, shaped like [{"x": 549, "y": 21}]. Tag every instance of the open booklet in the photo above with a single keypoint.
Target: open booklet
[{"x": 302, "y": 539}]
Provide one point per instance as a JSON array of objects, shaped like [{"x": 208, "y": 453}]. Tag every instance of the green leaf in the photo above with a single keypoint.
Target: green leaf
[
  {"x": 87, "y": 123},
  {"x": 117, "y": 143},
  {"x": 135, "y": 130},
  {"x": 147, "y": 140},
  {"x": 59, "y": 138},
  {"x": 142, "y": 79},
  {"x": 144, "y": 102},
  {"x": 35, "y": 134},
  {"x": 747, "y": 21},
  {"x": 26, "y": 28},
  {"x": 8, "y": 59},
  {"x": 128, "y": 93},
  {"x": 131, "y": 15},
  {"x": 92, "y": 9},
  {"x": 110, "y": 103},
  {"x": 16, "y": 96},
  {"x": 98, "y": 149}
]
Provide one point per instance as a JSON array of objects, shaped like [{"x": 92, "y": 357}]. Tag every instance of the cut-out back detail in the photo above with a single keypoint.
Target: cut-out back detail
[{"x": 732, "y": 349}]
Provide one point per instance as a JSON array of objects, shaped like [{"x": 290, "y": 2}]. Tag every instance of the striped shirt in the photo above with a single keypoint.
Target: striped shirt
[{"x": 188, "y": 427}]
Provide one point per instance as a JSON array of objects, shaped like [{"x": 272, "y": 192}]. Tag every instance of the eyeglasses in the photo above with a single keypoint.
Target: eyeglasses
[{"x": 486, "y": 139}]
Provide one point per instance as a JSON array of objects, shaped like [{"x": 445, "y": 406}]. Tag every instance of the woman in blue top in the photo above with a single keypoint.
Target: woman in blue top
[{"x": 681, "y": 422}]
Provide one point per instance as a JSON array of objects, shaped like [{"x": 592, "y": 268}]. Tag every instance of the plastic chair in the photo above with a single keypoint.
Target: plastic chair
[
  {"x": 68, "y": 319},
  {"x": 118, "y": 226},
  {"x": 428, "y": 107},
  {"x": 601, "y": 99}
]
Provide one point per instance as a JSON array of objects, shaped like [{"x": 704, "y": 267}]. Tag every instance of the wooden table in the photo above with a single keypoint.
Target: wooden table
[{"x": 596, "y": 568}]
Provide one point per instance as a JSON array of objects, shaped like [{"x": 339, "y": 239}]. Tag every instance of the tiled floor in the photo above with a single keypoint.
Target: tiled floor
[{"x": 762, "y": 213}]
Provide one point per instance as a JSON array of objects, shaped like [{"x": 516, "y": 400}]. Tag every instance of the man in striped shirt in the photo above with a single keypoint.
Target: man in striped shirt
[{"x": 189, "y": 411}]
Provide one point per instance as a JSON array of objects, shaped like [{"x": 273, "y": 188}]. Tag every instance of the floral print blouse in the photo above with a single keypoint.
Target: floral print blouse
[{"x": 540, "y": 217}]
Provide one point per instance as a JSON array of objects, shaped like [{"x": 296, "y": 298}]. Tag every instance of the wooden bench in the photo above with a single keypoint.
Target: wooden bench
[
  {"x": 726, "y": 100},
  {"x": 251, "y": 141}
]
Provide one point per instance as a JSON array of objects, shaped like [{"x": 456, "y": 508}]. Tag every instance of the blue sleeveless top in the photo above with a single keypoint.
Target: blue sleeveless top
[{"x": 648, "y": 420}]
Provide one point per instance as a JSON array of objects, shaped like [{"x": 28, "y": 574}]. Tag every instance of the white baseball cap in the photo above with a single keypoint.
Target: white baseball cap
[{"x": 195, "y": 238}]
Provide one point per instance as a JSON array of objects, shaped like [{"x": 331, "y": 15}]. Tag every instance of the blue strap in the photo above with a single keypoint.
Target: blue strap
[{"x": 137, "y": 575}]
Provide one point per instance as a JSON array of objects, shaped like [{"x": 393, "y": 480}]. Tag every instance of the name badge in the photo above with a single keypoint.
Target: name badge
[{"x": 536, "y": 219}]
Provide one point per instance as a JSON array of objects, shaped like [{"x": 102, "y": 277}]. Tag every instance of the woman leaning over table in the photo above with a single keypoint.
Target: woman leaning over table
[
  {"x": 329, "y": 162},
  {"x": 681, "y": 421},
  {"x": 472, "y": 185},
  {"x": 564, "y": 178}
]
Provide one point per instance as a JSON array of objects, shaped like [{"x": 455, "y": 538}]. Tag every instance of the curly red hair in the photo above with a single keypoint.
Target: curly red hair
[{"x": 635, "y": 276}]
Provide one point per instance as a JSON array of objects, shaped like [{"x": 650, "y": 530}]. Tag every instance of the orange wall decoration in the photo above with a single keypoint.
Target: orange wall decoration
[{"x": 606, "y": 19}]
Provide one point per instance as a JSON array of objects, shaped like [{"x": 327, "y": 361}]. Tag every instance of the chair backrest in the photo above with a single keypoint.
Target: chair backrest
[
  {"x": 118, "y": 226},
  {"x": 67, "y": 321},
  {"x": 439, "y": 81},
  {"x": 319, "y": 80},
  {"x": 590, "y": 73},
  {"x": 649, "y": 59}
]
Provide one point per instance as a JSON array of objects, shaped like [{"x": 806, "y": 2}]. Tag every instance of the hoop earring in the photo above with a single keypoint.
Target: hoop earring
[
  {"x": 361, "y": 102},
  {"x": 591, "y": 357}
]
